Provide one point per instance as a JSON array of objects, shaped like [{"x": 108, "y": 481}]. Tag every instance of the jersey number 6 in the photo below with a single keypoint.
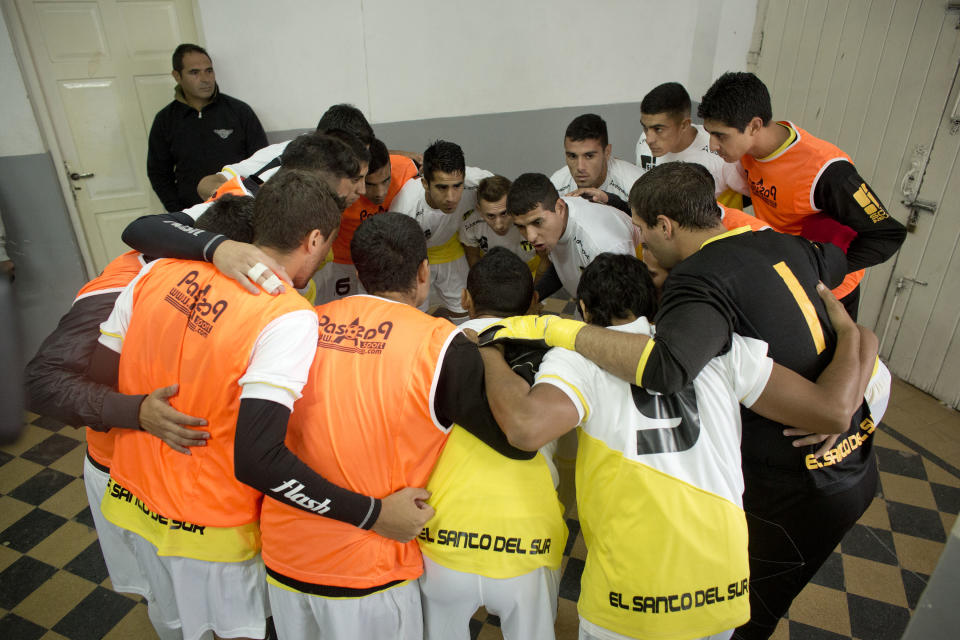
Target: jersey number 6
[{"x": 680, "y": 406}]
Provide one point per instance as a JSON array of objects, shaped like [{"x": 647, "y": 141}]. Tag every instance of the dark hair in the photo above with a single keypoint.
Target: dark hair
[
  {"x": 493, "y": 188},
  {"x": 670, "y": 98},
  {"x": 379, "y": 156},
  {"x": 182, "y": 50},
  {"x": 615, "y": 285},
  {"x": 682, "y": 191},
  {"x": 735, "y": 99},
  {"x": 348, "y": 118},
  {"x": 289, "y": 206},
  {"x": 358, "y": 148},
  {"x": 500, "y": 284},
  {"x": 317, "y": 151},
  {"x": 443, "y": 156},
  {"x": 589, "y": 126},
  {"x": 231, "y": 215},
  {"x": 387, "y": 250},
  {"x": 530, "y": 190}
]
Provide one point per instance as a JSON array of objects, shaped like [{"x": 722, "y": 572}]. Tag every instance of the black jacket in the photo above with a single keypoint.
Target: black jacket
[{"x": 186, "y": 145}]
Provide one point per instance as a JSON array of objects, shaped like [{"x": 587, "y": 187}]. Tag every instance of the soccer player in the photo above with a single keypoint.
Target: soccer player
[
  {"x": 792, "y": 175},
  {"x": 589, "y": 160},
  {"x": 572, "y": 231},
  {"x": 439, "y": 201},
  {"x": 385, "y": 177},
  {"x": 489, "y": 225},
  {"x": 386, "y": 386},
  {"x": 661, "y": 473},
  {"x": 760, "y": 285},
  {"x": 669, "y": 135},
  {"x": 58, "y": 387},
  {"x": 498, "y": 535},
  {"x": 237, "y": 359}
]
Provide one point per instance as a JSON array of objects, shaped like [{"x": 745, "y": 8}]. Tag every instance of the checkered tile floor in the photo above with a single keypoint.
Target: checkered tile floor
[{"x": 53, "y": 583}]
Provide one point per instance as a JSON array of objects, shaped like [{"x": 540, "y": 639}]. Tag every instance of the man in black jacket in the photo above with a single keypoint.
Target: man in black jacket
[{"x": 197, "y": 133}]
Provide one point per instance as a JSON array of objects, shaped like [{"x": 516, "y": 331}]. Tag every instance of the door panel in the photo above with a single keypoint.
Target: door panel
[{"x": 104, "y": 70}]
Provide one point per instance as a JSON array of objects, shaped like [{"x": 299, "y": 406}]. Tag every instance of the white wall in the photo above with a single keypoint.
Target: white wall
[
  {"x": 423, "y": 59},
  {"x": 19, "y": 135}
]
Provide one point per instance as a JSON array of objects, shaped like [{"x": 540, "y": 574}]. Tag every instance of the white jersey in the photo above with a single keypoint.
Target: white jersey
[
  {"x": 620, "y": 178},
  {"x": 726, "y": 175},
  {"x": 439, "y": 228},
  {"x": 659, "y": 493},
  {"x": 592, "y": 229},
  {"x": 475, "y": 232},
  {"x": 256, "y": 162}
]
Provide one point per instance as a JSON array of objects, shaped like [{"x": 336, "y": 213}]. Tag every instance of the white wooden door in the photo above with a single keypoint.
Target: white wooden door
[
  {"x": 104, "y": 70},
  {"x": 876, "y": 77}
]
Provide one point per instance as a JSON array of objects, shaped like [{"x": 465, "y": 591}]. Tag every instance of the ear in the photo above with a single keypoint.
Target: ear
[
  {"x": 423, "y": 272},
  {"x": 755, "y": 125},
  {"x": 560, "y": 208},
  {"x": 583, "y": 311},
  {"x": 607, "y": 150},
  {"x": 686, "y": 122},
  {"x": 666, "y": 226},
  {"x": 314, "y": 241},
  {"x": 466, "y": 301},
  {"x": 176, "y": 76}
]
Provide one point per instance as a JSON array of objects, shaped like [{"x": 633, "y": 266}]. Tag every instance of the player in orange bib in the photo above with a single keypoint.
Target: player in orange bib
[
  {"x": 386, "y": 175},
  {"x": 57, "y": 387},
  {"x": 792, "y": 175},
  {"x": 385, "y": 388}
]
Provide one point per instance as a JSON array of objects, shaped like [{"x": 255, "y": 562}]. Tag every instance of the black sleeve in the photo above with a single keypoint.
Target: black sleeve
[
  {"x": 616, "y": 202},
  {"x": 844, "y": 195},
  {"x": 160, "y": 164},
  {"x": 263, "y": 461},
  {"x": 171, "y": 235},
  {"x": 549, "y": 283},
  {"x": 461, "y": 398},
  {"x": 832, "y": 263},
  {"x": 693, "y": 326},
  {"x": 56, "y": 380}
]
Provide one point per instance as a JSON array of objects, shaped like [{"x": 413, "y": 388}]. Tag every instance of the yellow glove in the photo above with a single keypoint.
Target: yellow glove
[{"x": 548, "y": 330}]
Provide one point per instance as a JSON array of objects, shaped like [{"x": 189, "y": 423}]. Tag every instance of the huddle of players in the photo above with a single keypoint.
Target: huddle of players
[{"x": 498, "y": 535}]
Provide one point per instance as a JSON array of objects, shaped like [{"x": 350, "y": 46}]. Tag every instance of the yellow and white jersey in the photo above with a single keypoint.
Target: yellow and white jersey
[
  {"x": 659, "y": 493},
  {"x": 439, "y": 228},
  {"x": 591, "y": 229},
  {"x": 495, "y": 517},
  {"x": 475, "y": 232},
  {"x": 620, "y": 178}
]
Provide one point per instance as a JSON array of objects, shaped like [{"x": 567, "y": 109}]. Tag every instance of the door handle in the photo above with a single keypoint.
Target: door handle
[{"x": 80, "y": 176}]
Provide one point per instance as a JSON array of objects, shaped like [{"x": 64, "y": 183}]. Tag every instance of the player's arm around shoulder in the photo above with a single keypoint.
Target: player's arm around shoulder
[
  {"x": 529, "y": 416},
  {"x": 827, "y": 405}
]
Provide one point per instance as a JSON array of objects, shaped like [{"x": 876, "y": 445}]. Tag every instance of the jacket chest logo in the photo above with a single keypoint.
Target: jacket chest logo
[{"x": 223, "y": 133}]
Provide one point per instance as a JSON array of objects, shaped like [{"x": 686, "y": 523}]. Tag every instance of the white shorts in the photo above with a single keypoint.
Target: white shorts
[
  {"x": 335, "y": 281},
  {"x": 878, "y": 393},
  {"x": 590, "y": 631},
  {"x": 392, "y": 613},
  {"x": 527, "y": 604},
  {"x": 199, "y": 598},
  {"x": 447, "y": 282},
  {"x": 125, "y": 574}
]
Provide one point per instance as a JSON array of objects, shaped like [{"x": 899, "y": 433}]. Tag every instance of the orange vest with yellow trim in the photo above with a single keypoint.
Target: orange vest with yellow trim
[
  {"x": 734, "y": 218},
  {"x": 365, "y": 422},
  {"x": 781, "y": 187},
  {"x": 402, "y": 169},
  {"x": 194, "y": 326},
  {"x": 116, "y": 276}
]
